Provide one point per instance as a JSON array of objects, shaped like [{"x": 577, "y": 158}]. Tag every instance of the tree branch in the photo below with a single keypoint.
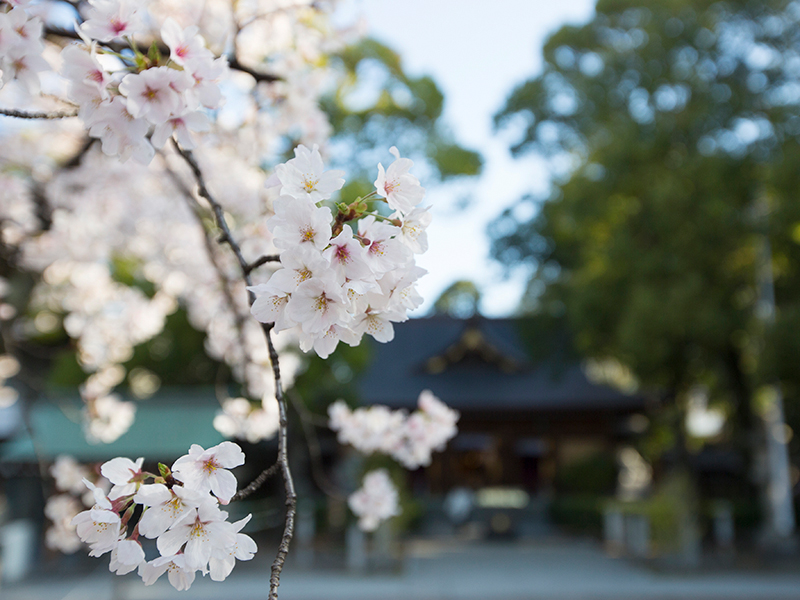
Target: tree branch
[
  {"x": 257, "y": 482},
  {"x": 283, "y": 428},
  {"x": 21, "y": 114},
  {"x": 262, "y": 261}
]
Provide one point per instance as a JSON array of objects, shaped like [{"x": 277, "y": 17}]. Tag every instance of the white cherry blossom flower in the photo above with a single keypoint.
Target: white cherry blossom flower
[
  {"x": 124, "y": 474},
  {"x": 300, "y": 263},
  {"x": 317, "y": 304},
  {"x": 151, "y": 94},
  {"x": 111, "y": 19},
  {"x": 126, "y": 557},
  {"x": 186, "y": 47},
  {"x": 347, "y": 257},
  {"x": 413, "y": 230},
  {"x": 165, "y": 507},
  {"x": 179, "y": 574},
  {"x": 299, "y": 221},
  {"x": 88, "y": 79},
  {"x": 206, "y": 531},
  {"x": 99, "y": 526},
  {"x": 401, "y": 189},
  {"x": 181, "y": 126},
  {"x": 121, "y": 133},
  {"x": 223, "y": 560},
  {"x": 270, "y": 306},
  {"x": 206, "y": 470},
  {"x": 304, "y": 176},
  {"x": 383, "y": 251}
]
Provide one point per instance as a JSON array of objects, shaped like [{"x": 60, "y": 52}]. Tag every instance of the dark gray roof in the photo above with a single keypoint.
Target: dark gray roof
[{"x": 481, "y": 365}]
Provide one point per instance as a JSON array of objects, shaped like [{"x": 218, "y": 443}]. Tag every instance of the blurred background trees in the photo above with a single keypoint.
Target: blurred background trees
[{"x": 672, "y": 127}]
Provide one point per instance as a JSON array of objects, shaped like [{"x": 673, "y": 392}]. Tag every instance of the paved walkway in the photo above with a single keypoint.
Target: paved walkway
[{"x": 548, "y": 570}]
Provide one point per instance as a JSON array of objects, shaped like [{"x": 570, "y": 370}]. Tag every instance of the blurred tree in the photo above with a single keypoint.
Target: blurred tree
[
  {"x": 376, "y": 100},
  {"x": 669, "y": 121},
  {"x": 459, "y": 300}
]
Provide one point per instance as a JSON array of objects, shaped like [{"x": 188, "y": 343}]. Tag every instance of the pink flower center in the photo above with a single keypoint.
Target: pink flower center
[
  {"x": 118, "y": 26},
  {"x": 342, "y": 254}
]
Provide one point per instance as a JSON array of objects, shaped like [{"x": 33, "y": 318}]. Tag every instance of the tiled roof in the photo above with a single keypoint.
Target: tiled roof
[{"x": 483, "y": 364}]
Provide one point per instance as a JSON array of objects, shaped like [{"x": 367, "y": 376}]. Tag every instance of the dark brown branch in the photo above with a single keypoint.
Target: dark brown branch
[
  {"x": 257, "y": 482},
  {"x": 75, "y": 160},
  {"x": 22, "y": 114},
  {"x": 283, "y": 429},
  {"x": 262, "y": 261}
]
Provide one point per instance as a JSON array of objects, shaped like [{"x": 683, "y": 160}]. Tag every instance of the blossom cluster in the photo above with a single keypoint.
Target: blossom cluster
[
  {"x": 165, "y": 95},
  {"x": 375, "y": 501},
  {"x": 73, "y": 225},
  {"x": 338, "y": 282},
  {"x": 21, "y": 47},
  {"x": 118, "y": 106},
  {"x": 239, "y": 419},
  {"x": 72, "y": 498},
  {"x": 409, "y": 439},
  {"x": 179, "y": 509}
]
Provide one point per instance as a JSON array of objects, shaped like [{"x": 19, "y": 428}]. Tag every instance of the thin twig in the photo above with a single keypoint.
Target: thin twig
[
  {"x": 283, "y": 428},
  {"x": 262, "y": 261},
  {"x": 22, "y": 114},
  {"x": 257, "y": 482}
]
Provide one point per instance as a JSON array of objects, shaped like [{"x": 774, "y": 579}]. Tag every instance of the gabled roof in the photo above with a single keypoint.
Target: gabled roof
[{"x": 483, "y": 365}]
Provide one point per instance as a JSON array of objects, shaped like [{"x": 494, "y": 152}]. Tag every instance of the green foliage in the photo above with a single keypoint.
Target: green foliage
[
  {"x": 595, "y": 474},
  {"x": 676, "y": 121},
  {"x": 459, "y": 300},
  {"x": 578, "y": 512},
  {"x": 377, "y": 101}
]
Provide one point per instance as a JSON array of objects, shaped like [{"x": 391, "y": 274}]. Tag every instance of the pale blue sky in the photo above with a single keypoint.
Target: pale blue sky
[{"x": 477, "y": 51}]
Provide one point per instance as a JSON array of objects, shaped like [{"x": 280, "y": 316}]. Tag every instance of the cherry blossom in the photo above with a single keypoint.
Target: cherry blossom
[
  {"x": 100, "y": 526},
  {"x": 111, "y": 19},
  {"x": 409, "y": 439},
  {"x": 151, "y": 94},
  {"x": 179, "y": 574},
  {"x": 124, "y": 474},
  {"x": 201, "y": 532},
  {"x": 69, "y": 474},
  {"x": 187, "y": 47},
  {"x": 206, "y": 470},
  {"x": 376, "y": 501},
  {"x": 304, "y": 176},
  {"x": 401, "y": 189},
  {"x": 339, "y": 282},
  {"x": 223, "y": 559},
  {"x": 166, "y": 506}
]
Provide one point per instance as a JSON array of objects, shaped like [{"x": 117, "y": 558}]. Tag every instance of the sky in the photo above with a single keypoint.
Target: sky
[{"x": 477, "y": 52}]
